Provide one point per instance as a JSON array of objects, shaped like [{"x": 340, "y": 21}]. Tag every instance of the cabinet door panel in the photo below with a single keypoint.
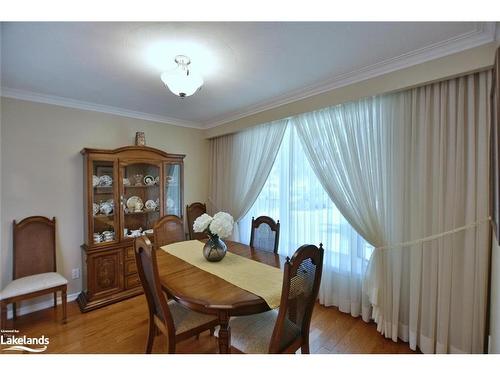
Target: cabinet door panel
[
  {"x": 173, "y": 199},
  {"x": 107, "y": 272},
  {"x": 102, "y": 200},
  {"x": 140, "y": 196}
]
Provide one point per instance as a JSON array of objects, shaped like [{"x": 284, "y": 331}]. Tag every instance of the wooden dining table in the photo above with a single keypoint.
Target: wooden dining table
[{"x": 204, "y": 292}]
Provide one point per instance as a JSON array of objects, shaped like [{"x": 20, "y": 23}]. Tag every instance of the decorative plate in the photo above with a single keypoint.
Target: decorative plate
[
  {"x": 126, "y": 182},
  {"x": 149, "y": 180},
  {"x": 105, "y": 180},
  {"x": 133, "y": 202},
  {"x": 150, "y": 205},
  {"x": 157, "y": 180},
  {"x": 95, "y": 208}
]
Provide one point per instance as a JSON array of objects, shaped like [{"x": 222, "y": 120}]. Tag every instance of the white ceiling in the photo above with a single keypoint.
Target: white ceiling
[{"x": 247, "y": 67}]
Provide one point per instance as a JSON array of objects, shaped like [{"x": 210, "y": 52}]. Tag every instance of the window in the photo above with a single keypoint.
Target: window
[{"x": 294, "y": 196}]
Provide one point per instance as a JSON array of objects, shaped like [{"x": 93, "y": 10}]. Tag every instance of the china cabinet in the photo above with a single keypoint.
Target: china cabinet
[{"x": 126, "y": 191}]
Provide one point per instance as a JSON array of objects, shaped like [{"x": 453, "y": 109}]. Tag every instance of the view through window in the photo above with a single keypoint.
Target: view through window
[{"x": 293, "y": 195}]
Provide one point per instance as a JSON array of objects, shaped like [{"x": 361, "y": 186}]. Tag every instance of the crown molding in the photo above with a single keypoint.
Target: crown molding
[
  {"x": 87, "y": 106},
  {"x": 485, "y": 32}
]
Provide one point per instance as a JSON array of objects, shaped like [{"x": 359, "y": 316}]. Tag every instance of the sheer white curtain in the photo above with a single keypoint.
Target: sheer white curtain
[
  {"x": 293, "y": 195},
  {"x": 404, "y": 167},
  {"x": 239, "y": 166}
]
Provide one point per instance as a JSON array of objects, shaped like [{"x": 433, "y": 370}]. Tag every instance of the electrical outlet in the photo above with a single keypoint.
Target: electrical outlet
[{"x": 75, "y": 273}]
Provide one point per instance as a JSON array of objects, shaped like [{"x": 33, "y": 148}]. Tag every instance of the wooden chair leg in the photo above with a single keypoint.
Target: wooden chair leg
[
  {"x": 304, "y": 349},
  {"x": 55, "y": 300},
  {"x": 64, "y": 303},
  {"x": 151, "y": 335},
  {"x": 3, "y": 315},
  {"x": 14, "y": 311}
]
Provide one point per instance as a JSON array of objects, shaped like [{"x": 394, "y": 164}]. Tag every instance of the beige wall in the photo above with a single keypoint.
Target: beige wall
[
  {"x": 42, "y": 168},
  {"x": 474, "y": 59},
  {"x": 495, "y": 299}
]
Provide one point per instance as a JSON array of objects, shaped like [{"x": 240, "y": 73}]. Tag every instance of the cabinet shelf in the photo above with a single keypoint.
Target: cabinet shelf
[
  {"x": 140, "y": 186},
  {"x": 103, "y": 216},
  {"x": 141, "y": 212}
]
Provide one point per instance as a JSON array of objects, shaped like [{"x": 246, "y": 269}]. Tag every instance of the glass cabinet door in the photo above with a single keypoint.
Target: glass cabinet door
[
  {"x": 140, "y": 198},
  {"x": 104, "y": 218},
  {"x": 173, "y": 197}
]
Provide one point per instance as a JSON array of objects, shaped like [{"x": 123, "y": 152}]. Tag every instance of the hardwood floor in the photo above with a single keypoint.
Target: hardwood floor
[{"x": 122, "y": 328}]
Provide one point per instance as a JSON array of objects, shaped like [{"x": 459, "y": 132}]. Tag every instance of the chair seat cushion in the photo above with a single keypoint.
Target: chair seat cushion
[
  {"x": 252, "y": 334},
  {"x": 33, "y": 283},
  {"x": 185, "y": 319}
]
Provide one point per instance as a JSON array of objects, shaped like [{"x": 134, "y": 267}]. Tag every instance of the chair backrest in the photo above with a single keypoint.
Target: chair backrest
[
  {"x": 265, "y": 234},
  {"x": 168, "y": 229},
  {"x": 301, "y": 280},
  {"x": 193, "y": 211},
  {"x": 34, "y": 246},
  {"x": 147, "y": 268}
]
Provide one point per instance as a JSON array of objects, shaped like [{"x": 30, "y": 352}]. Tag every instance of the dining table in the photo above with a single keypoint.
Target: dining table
[{"x": 204, "y": 292}]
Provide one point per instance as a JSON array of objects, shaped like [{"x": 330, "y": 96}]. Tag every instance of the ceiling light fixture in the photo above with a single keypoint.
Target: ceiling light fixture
[{"x": 181, "y": 80}]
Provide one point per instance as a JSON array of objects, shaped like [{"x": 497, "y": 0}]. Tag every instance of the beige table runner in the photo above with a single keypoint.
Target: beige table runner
[{"x": 257, "y": 278}]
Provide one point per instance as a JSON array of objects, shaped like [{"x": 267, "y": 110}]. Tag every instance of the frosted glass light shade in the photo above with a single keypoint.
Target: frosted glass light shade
[{"x": 182, "y": 81}]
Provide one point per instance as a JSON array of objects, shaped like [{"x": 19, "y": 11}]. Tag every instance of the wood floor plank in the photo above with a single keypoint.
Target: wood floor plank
[{"x": 122, "y": 328}]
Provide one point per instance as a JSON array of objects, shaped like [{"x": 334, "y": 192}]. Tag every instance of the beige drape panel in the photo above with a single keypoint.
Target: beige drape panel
[
  {"x": 403, "y": 167},
  {"x": 495, "y": 146},
  {"x": 239, "y": 166}
]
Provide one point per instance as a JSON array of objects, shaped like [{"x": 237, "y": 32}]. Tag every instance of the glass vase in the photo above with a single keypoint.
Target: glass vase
[{"x": 215, "y": 249}]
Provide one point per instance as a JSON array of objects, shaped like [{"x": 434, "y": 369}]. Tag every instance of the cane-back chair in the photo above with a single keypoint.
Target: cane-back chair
[{"x": 170, "y": 318}]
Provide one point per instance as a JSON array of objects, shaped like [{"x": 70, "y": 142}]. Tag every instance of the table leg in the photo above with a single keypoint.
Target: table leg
[{"x": 224, "y": 333}]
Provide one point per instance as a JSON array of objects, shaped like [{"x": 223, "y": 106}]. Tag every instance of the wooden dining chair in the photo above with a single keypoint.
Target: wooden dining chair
[
  {"x": 193, "y": 211},
  {"x": 34, "y": 265},
  {"x": 167, "y": 230},
  {"x": 172, "y": 319},
  {"x": 285, "y": 330},
  {"x": 265, "y": 234}
]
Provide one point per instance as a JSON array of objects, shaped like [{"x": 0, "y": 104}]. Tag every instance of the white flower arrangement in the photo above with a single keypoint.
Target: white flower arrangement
[{"x": 220, "y": 225}]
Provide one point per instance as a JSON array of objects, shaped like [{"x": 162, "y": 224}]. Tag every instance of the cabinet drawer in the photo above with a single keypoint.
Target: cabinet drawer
[
  {"x": 130, "y": 267},
  {"x": 129, "y": 252},
  {"x": 132, "y": 281}
]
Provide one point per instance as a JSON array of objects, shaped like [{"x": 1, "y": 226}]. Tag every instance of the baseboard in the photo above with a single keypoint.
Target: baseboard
[{"x": 29, "y": 308}]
